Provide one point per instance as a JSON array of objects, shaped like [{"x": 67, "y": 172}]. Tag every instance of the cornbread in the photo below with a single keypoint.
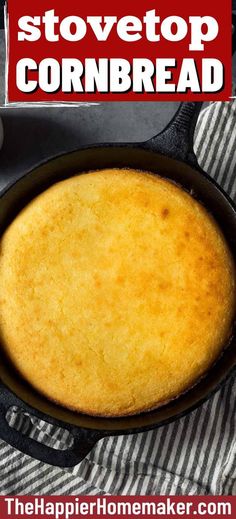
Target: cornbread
[{"x": 117, "y": 292}]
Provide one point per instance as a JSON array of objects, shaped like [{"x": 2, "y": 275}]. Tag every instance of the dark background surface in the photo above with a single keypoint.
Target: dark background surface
[{"x": 33, "y": 134}]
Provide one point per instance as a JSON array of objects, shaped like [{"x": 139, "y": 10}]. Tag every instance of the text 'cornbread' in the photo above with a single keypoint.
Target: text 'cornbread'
[{"x": 117, "y": 292}]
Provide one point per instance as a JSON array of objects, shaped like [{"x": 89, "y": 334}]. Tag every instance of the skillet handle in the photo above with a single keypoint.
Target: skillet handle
[
  {"x": 176, "y": 140},
  {"x": 84, "y": 439}
]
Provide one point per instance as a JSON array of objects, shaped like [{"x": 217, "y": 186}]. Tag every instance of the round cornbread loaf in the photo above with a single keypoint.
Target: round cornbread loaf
[{"x": 117, "y": 292}]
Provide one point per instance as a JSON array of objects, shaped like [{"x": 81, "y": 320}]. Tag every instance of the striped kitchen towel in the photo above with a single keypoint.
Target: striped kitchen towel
[{"x": 196, "y": 454}]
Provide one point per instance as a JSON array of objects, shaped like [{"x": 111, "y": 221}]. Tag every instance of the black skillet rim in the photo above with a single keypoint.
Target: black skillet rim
[{"x": 131, "y": 430}]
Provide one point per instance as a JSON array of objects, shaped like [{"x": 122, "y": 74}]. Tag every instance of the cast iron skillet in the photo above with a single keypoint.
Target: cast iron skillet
[{"x": 171, "y": 155}]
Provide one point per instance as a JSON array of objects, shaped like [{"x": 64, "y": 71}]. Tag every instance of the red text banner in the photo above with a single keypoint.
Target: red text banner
[
  {"x": 136, "y": 51},
  {"x": 106, "y": 507}
]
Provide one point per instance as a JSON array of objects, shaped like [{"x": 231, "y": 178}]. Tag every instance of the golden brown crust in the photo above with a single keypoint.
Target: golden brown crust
[{"x": 117, "y": 292}]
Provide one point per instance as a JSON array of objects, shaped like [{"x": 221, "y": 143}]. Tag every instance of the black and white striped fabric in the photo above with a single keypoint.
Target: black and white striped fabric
[{"x": 197, "y": 454}]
